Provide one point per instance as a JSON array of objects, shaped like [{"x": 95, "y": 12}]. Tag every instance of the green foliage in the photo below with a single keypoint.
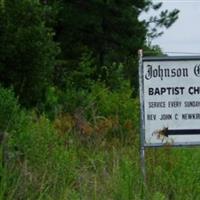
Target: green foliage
[
  {"x": 90, "y": 148},
  {"x": 27, "y": 50},
  {"x": 45, "y": 160},
  {"x": 113, "y": 103},
  {"x": 165, "y": 19},
  {"x": 158, "y": 196},
  {"x": 9, "y": 110},
  {"x": 101, "y": 100},
  {"x": 112, "y": 75},
  {"x": 109, "y": 29},
  {"x": 126, "y": 179},
  {"x": 39, "y": 164},
  {"x": 98, "y": 41},
  {"x": 78, "y": 77},
  {"x": 100, "y": 112},
  {"x": 51, "y": 107}
]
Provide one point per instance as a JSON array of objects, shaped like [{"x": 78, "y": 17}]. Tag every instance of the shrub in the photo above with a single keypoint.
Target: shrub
[
  {"x": 117, "y": 107},
  {"x": 27, "y": 50},
  {"x": 35, "y": 161},
  {"x": 102, "y": 112},
  {"x": 9, "y": 110},
  {"x": 39, "y": 164}
]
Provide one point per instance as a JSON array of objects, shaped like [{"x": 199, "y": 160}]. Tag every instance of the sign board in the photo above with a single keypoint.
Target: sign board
[{"x": 170, "y": 100}]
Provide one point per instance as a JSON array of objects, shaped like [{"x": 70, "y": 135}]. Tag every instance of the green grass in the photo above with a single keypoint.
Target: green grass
[
  {"x": 57, "y": 160},
  {"x": 108, "y": 172}
]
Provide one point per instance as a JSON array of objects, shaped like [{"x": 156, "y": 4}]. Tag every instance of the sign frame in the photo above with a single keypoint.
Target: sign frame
[{"x": 142, "y": 99}]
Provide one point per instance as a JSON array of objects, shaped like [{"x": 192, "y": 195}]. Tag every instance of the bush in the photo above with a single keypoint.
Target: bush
[
  {"x": 100, "y": 112},
  {"x": 113, "y": 107},
  {"x": 27, "y": 50},
  {"x": 36, "y": 163},
  {"x": 9, "y": 110},
  {"x": 39, "y": 165}
]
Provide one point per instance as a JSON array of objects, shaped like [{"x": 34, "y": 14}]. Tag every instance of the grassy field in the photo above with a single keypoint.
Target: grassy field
[{"x": 74, "y": 157}]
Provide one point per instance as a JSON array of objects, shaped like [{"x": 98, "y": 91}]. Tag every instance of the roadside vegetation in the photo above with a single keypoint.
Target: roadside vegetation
[
  {"x": 90, "y": 154},
  {"x": 69, "y": 106}
]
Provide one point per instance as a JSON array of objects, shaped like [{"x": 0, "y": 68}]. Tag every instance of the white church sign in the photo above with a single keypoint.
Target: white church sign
[{"x": 170, "y": 100}]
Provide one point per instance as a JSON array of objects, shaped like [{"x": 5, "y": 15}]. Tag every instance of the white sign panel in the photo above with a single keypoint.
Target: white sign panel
[{"x": 171, "y": 101}]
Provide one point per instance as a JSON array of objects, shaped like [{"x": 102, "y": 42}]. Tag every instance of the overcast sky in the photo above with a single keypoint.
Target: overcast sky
[{"x": 184, "y": 35}]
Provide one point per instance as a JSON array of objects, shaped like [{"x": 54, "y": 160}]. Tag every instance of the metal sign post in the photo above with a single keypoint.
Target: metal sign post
[{"x": 142, "y": 147}]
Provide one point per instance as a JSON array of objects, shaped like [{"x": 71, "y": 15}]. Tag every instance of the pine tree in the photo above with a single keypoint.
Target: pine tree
[
  {"x": 109, "y": 28},
  {"x": 27, "y": 50}
]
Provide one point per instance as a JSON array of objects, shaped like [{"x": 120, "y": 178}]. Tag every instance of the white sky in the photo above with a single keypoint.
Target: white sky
[{"x": 184, "y": 35}]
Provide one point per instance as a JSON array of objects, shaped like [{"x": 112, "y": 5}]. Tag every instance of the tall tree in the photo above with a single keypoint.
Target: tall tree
[
  {"x": 109, "y": 28},
  {"x": 27, "y": 49}
]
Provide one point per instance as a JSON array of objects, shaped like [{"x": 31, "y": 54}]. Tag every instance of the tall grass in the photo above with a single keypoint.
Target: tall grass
[{"x": 90, "y": 155}]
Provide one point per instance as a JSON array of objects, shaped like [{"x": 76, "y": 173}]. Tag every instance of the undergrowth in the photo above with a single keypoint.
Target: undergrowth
[{"x": 89, "y": 153}]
